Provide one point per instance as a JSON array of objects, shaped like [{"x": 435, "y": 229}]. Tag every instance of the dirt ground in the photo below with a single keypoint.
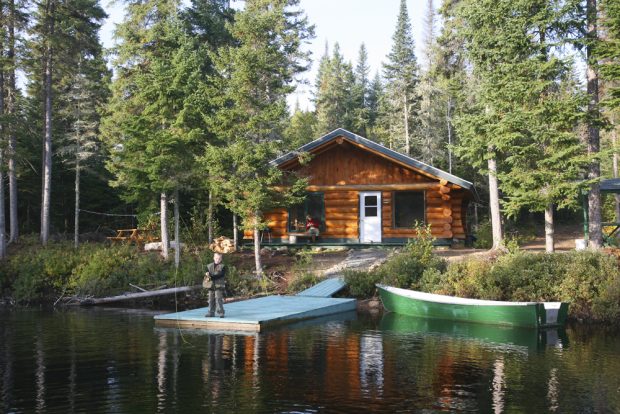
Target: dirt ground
[{"x": 282, "y": 264}]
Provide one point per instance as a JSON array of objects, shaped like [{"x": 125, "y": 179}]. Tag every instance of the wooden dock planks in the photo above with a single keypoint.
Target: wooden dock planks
[
  {"x": 325, "y": 288},
  {"x": 260, "y": 313}
]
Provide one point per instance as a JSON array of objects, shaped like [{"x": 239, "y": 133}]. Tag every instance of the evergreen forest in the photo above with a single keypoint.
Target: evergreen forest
[{"x": 175, "y": 126}]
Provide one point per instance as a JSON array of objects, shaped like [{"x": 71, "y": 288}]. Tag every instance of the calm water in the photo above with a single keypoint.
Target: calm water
[{"x": 114, "y": 361}]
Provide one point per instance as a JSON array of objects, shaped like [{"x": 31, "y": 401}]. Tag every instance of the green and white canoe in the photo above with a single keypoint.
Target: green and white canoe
[{"x": 429, "y": 305}]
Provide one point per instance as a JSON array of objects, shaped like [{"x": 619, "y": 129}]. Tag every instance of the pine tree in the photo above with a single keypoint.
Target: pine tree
[
  {"x": 375, "y": 94},
  {"x": 80, "y": 144},
  {"x": 154, "y": 121},
  {"x": 528, "y": 105},
  {"x": 595, "y": 229},
  {"x": 432, "y": 129},
  {"x": 608, "y": 51},
  {"x": 14, "y": 21},
  {"x": 334, "y": 100},
  {"x": 3, "y": 37},
  {"x": 360, "y": 91},
  {"x": 300, "y": 130},
  {"x": 401, "y": 76},
  {"x": 253, "y": 79}
]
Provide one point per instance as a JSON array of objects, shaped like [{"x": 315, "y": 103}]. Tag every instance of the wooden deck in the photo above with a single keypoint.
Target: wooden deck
[
  {"x": 325, "y": 289},
  {"x": 260, "y": 313}
]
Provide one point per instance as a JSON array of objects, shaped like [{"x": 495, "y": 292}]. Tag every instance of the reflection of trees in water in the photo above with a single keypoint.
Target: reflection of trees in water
[{"x": 117, "y": 362}]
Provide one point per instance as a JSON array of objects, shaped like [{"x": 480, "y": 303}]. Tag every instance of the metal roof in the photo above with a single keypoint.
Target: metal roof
[
  {"x": 611, "y": 185},
  {"x": 340, "y": 132}
]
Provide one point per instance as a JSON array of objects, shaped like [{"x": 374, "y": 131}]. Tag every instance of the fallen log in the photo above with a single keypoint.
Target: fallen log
[{"x": 139, "y": 295}]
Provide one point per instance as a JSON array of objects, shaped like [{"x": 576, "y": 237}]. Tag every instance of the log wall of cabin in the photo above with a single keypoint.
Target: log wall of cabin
[
  {"x": 345, "y": 164},
  {"x": 444, "y": 210}
]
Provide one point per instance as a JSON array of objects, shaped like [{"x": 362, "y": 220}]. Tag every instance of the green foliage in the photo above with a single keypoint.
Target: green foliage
[
  {"x": 35, "y": 274},
  {"x": 302, "y": 281},
  {"x": 608, "y": 51},
  {"x": 588, "y": 280},
  {"x": 362, "y": 284},
  {"x": 404, "y": 269},
  {"x": 401, "y": 99},
  {"x": 335, "y": 97}
]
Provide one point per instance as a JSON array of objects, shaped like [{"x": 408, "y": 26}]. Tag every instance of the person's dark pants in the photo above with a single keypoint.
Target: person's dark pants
[{"x": 216, "y": 301}]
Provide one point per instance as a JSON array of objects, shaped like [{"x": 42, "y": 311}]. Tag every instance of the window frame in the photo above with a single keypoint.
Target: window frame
[
  {"x": 322, "y": 218},
  {"x": 393, "y": 195}
]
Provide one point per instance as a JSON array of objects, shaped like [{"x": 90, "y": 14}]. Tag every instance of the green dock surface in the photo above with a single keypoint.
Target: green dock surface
[{"x": 260, "y": 313}]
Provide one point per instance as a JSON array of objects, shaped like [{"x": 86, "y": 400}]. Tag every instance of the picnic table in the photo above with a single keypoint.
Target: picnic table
[
  {"x": 610, "y": 231},
  {"x": 137, "y": 236}
]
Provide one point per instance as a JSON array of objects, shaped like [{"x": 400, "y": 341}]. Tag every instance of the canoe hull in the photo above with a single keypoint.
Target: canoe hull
[{"x": 520, "y": 314}]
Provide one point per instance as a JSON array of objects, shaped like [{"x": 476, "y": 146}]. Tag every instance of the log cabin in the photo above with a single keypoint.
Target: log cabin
[{"x": 361, "y": 192}]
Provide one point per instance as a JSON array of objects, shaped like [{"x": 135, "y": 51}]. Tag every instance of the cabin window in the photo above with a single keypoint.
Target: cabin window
[
  {"x": 408, "y": 208},
  {"x": 313, "y": 205}
]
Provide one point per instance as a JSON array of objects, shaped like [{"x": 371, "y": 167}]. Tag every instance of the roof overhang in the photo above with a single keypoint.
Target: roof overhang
[{"x": 379, "y": 149}]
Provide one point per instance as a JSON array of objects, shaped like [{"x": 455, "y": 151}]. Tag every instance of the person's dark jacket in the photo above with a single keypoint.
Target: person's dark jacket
[{"x": 216, "y": 272}]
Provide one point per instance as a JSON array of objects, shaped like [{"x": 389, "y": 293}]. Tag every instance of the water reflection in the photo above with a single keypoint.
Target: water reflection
[
  {"x": 500, "y": 337},
  {"x": 117, "y": 362}
]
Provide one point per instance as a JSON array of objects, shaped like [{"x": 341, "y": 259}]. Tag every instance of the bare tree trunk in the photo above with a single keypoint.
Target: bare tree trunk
[
  {"x": 614, "y": 140},
  {"x": 177, "y": 233},
  {"x": 235, "y": 232},
  {"x": 549, "y": 229},
  {"x": 406, "y": 113},
  {"x": 76, "y": 224},
  {"x": 594, "y": 172},
  {"x": 12, "y": 144},
  {"x": 163, "y": 220},
  {"x": 47, "y": 161},
  {"x": 496, "y": 218},
  {"x": 259, "y": 266},
  {"x": 2, "y": 218},
  {"x": 449, "y": 125},
  {"x": 210, "y": 218}
]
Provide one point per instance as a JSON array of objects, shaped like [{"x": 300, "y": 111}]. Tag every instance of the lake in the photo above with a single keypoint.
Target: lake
[{"x": 118, "y": 361}]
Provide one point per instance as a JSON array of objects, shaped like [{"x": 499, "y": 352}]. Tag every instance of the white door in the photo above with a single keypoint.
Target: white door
[{"x": 370, "y": 217}]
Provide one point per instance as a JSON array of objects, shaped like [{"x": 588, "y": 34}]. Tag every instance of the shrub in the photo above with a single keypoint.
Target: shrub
[
  {"x": 361, "y": 284},
  {"x": 405, "y": 269},
  {"x": 590, "y": 281},
  {"x": 302, "y": 281}
]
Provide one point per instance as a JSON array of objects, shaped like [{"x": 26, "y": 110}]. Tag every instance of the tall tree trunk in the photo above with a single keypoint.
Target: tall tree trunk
[
  {"x": 496, "y": 219},
  {"x": 76, "y": 224},
  {"x": 406, "y": 117},
  {"x": 47, "y": 160},
  {"x": 614, "y": 140},
  {"x": 235, "y": 232},
  {"x": 449, "y": 125},
  {"x": 11, "y": 110},
  {"x": 177, "y": 233},
  {"x": 2, "y": 131},
  {"x": 163, "y": 220},
  {"x": 549, "y": 229},
  {"x": 257, "y": 260},
  {"x": 594, "y": 171},
  {"x": 210, "y": 218}
]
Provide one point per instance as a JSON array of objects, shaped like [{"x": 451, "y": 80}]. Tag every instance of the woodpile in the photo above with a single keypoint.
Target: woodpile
[{"x": 222, "y": 245}]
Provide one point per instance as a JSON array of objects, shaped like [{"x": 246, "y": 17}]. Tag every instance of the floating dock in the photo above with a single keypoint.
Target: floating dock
[{"x": 260, "y": 313}]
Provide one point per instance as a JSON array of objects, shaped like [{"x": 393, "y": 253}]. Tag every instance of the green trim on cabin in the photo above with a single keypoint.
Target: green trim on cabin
[{"x": 323, "y": 242}]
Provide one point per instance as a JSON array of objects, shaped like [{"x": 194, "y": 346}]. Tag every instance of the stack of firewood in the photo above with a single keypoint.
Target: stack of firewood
[{"x": 222, "y": 245}]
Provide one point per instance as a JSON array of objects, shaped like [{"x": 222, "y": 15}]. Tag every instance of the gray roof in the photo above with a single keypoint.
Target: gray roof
[
  {"x": 381, "y": 149},
  {"x": 611, "y": 185}
]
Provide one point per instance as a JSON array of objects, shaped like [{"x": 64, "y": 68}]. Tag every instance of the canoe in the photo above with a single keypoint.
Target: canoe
[{"x": 429, "y": 305}]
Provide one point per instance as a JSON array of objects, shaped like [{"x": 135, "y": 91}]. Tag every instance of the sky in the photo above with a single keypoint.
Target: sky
[{"x": 347, "y": 22}]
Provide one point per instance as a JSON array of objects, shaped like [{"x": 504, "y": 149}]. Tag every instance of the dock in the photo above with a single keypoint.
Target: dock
[{"x": 259, "y": 313}]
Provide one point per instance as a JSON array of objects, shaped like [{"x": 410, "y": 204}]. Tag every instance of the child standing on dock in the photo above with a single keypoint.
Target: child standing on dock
[{"x": 215, "y": 283}]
